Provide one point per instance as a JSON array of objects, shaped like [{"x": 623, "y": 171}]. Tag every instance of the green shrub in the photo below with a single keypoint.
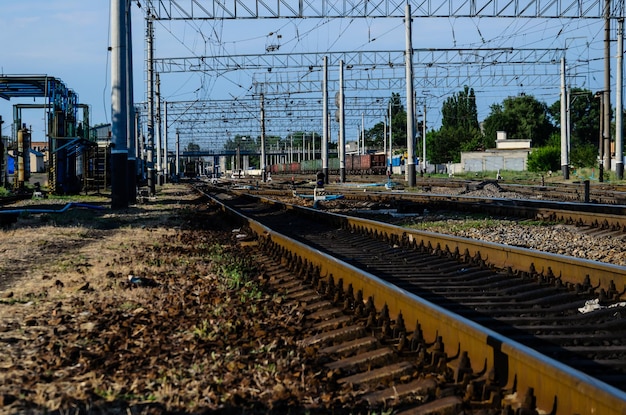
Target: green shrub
[{"x": 544, "y": 159}]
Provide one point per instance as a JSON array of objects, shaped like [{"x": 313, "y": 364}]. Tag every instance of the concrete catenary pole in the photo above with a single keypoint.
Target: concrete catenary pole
[
  {"x": 177, "y": 154},
  {"x": 342, "y": 128},
  {"x": 606, "y": 101},
  {"x": 165, "y": 163},
  {"x": 362, "y": 133},
  {"x": 119, "y": 104},
  {"x": 564, "y": 153},
  {"x": 150, "y": 98},
  {"x": 131, "y": 119},
  {"x": 424, "y": 141},
  {"x": 263, "y": 161},
  {"x": 325, "y": 140},
  {"x": 619, "y": 90},
  {"x": 390, "y": 140},
  {"x": 410, "y": 117},
  {"x": 158, "y": 132}
]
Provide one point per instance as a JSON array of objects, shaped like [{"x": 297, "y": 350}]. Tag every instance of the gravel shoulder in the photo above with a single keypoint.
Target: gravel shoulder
[{"x": 77, "y": 337}]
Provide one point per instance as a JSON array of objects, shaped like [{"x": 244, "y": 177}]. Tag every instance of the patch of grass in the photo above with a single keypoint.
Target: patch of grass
[{"x": 458, "y": 225}]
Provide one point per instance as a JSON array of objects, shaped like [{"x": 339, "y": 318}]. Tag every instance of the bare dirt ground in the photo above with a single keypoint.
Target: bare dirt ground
[{"x": 77, "y": 337}]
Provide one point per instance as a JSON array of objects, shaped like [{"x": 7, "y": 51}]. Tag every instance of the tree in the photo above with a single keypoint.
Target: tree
[
  {"x": 191, "y": 146},
  {"x": 522, "y": 117},
  {"x": 375, "y": 136},
  {"x": 584, "y": 116},
  {"x": 460, "y": 111},
  {"x": 459, "y": 129}
]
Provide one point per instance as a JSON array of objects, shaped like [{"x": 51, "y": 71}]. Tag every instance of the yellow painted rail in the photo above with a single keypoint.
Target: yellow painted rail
[{"x": 557, "y": 387}]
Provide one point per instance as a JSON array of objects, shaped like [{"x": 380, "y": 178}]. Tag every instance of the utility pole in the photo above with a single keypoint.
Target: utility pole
[
  {"x": 119, "y": 106},
  {"x": 390, "y": 139},
  {"x": 164, "y": 159},
  {"x": 159, "y": 143},
  {"x": 619, "y": 90},
  {"x": 424, "y": 139},
  {"x": 342, "y": 128},
  {"x": 177, "y": 154},
  {"x": 410, "y": 117},
  {"x": 131, "y": 119},
  {"x": 150, "y": 92},
  {"x": 263, "y": 165},
  {"x": 564, "y": 154},
  {"x": 606, "y": 101},
  {"x": 325, "y": 123},
  {"x": 362, "y": 133}
]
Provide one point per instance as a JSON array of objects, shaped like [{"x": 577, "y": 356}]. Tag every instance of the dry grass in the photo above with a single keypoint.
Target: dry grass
[{"x": 76, "y": 337}]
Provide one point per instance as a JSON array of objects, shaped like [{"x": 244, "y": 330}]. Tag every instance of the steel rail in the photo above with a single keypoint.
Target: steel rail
[
  {"x": 558, "y": 388},
  {"x": 569, "y": 269},
  {"x": 603, "y": 216}
]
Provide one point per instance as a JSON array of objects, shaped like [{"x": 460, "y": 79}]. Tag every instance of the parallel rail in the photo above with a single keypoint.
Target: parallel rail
[
  {"x": 558, "y": 388},
  {"x": 602, "y": 216}
]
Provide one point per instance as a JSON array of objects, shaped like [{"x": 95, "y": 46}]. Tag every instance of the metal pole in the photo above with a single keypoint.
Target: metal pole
[
  {"x": 410, "y": 117},
  {"x": 119, "y": 151},
  {"x": 325, "y": 122},
  {"x": 385, "y": 136},
  {"x": 263, "y": 166},
  {"x": 606, "y": 131},
  {"x": 564, "y": 155},
  {"x": 568, "y": 111},
  {"x": 424, "y": 140},
  {"x": 619, "y": 90},
  {"x": 390, "y": 140},
  {"x": 164, "y": 160},
  {"x": 159, "y": 145},
  {"x": 177, "y": 154},
  {"x": 342, "y": 128},
  {"x": 131, "y": 120},
  {"x": 601, "y": 141},
  {"x": 362, "y": 133},
  {"x": 150, "y": 92}
]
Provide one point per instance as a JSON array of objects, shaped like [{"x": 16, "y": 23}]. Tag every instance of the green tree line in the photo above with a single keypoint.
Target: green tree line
[{"x": 521, "y": 117}]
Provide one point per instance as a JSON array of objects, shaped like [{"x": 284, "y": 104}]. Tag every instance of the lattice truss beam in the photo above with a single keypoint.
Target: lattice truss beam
[
  {"x": 259, "y": 9},
  {"x": 439, "y": 72},
  {"x": 214, "y": 121},
  {"x": 283, "y": 76},
  {"x": 359, "y": 59},
  {"x": 382, "y": 70}
]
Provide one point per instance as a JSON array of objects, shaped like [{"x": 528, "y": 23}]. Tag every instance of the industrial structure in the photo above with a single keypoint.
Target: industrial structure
[{"x": 69, "y": 150}]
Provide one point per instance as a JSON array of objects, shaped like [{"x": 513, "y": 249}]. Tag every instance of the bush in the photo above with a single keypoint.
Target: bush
[
  {"x": 584, "y": 155},
  {"x": 544, "y": 159}
]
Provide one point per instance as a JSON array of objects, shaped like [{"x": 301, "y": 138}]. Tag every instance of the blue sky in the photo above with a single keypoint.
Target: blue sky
[{"x": 68, "y": 39}]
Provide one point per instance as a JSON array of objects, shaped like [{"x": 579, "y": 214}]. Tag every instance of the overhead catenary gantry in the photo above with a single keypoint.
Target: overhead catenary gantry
[
  {"x": 287, "y": 74},
  {"x": 372, "y": 59},
  {"x": 213, "y": 122},
  {"x": 433, "y": 75},
  {"x": 261, "y": 9},
  {"x": 383, "y": 70}
]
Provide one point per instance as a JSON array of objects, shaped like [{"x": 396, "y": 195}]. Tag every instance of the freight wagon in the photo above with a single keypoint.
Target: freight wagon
[{"x": 356, "y": 164}]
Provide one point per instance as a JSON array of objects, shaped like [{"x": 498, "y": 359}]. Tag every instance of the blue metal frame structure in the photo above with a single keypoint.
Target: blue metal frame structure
[{"x": 62, "y": 108}]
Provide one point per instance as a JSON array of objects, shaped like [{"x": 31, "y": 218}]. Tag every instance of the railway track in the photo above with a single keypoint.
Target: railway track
[
  {"x": 498, "y": 318},
  {"x": 605, "y": 217},
  {"x": 570, "y": 191}
]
